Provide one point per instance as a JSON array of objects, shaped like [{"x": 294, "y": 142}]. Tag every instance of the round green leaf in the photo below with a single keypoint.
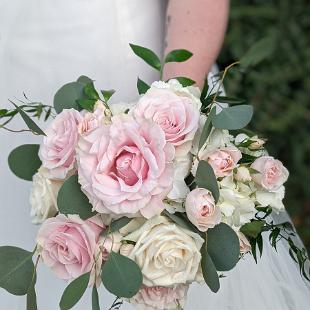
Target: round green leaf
[
  {"x": 16, "y": 270},
  {"x": 121, "y": 276},
  {"x": 67, "y": 96},
  {"x": 233, "y": 118},
  {"x": 24, "y": 161},
  {"x": 178, "y": 56},
  {"x": 71, "y": 199},
  {"x": 208, "y": 270},
  {"x": 74, "y": 291},
  {"x": 205, "y": 178},
  {"x": 85, "y": 80},
  {"x": 223, "y": 247}
]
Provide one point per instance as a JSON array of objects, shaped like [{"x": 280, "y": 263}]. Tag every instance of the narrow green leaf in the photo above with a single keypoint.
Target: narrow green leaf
[
  {"x": 223, "y": 247},
  {"x": 253, "y": 229},
  {"x": 204, "y": 91},
  {"x": 259, "y": 241},
  {"x": 184, "y": 81},
  {"x": 229, "y": 100},
  {"x": 27, "y": 153},
  {"x": 31, "y": 295},
  {"x": 95, "y": 299},
  {"x": 178, "y": 56},
  {"x": 233, "y": 118},
  {"x": 74, "y": 291},
  {"x": 205, "y": 178},
  {"x": 87, "y": 104},
  {"x": 71, "y": 199},
  {"x": 253, "y": 248},
  {"x": 147, "y": 55},
  {"x": 142, "y": 87},
  {"x": 208, "y": 270},
  {"x": 16, "y": 270},
  {"x": 107, "y": 94},
  {"x": 29, "y": 122},
  {"x": 121, "y": 276},
  {"x": 3, "y": 112},
  {"x": 67, "y": 96},
  {"x": 206, "y": 129},
  {"x": 85, "y": 80},
  {"x": 117, "y": 225}
]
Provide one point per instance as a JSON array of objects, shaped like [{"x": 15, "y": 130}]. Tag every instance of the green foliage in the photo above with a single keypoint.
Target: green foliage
[
  {"x": 121, "y": 276},
  {"x": 95, "y": 299},
  {"x": 107, "y": 94},
  {"x": 16, "y": 270},
  {"x": 178, "y": 56},
  {"x": 205, "y": 178},
  {"x": 142, "y": 86},
  {"x": 147, "y": 55},
  {"x": 278, "y": 87},
  {"x": 24, "y": 161},
  {"x": 253, "y": 229},
  {"x": 71, "y": 199},
  {"x": 116, "y": 225},
  {"x": 206, "y": 130},
  {"x": 74, "y": 291}
]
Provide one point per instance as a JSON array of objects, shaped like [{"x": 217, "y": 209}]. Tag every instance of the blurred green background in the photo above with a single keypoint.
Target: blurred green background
[{"x": 278, "y": 86}]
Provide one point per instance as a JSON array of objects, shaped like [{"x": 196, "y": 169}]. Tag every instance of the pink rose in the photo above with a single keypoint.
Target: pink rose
[
  {"x": 68, "y": 245},
  {"x": 126, "y": 167},
  {"x": 160, "y": 298},
  {"x": 224, "y": 160},
  {"x": 271, "y": 173},
  {"x": 201, "y": 210},
  {"x": 177, "y": 115},
  {"x": 57, "y": 151},
  {"x": 245, "y": 245}
]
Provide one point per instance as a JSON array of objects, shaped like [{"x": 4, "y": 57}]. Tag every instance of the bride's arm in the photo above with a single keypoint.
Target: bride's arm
[{"x": 199, "y": 26}]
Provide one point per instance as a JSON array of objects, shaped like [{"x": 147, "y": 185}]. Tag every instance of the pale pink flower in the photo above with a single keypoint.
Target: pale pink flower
[
  {"x": 176, "y": 114},
  {"x": 224, "y": 160},
  {"x": 201, "y": 209},
  {"x": 126, "y": 167},
  {"x": 69, "y": 245},
  {"x": 57, "y": 151},
  {"x": 245, "y": 245},
  {"x": 160, "y": 298},
  {"x": 271, "y": 173}
]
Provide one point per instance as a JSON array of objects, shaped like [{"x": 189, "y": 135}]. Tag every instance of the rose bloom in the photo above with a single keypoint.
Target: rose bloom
[
  {"x": 223, "y": 160},
  {"x": 43, "y": 197},
  {"x": 68, "y": 245},
  {"x": 57, "y": 151},
  {"x": 245, "y": 245},
  {"x": 176, "y": 113},
  {"x": 201, "y": 209},
  {"x": 166, "y": 253},
  {"x": 126, "y": 168},
  {"x": 160, "y": 297},
  {"x": 271, "y": 173}
]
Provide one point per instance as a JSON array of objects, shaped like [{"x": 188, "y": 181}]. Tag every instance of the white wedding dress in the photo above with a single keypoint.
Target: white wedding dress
[{"x": 46, "y": 43}]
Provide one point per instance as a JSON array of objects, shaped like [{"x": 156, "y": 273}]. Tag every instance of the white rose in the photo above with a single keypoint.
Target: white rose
[
  {"x": 243, "y": 174},
  {"x": 272, "y": 199},
  {"x": 166, "y": 253},
  {"x": 235, "y": 202},
  {"x": 43, "y": 196}
]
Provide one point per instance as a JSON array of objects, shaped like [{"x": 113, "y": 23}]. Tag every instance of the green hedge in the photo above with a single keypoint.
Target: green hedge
[{"x": 278, "y": 87}]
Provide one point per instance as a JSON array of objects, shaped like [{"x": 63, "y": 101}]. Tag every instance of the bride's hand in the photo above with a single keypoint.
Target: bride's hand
[{"x": 199, "y": 26}]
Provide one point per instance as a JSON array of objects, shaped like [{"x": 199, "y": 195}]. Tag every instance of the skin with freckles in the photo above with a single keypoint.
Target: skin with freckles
[{"x": 198, "y": 26}]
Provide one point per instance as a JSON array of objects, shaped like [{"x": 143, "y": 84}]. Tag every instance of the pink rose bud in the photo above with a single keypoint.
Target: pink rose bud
[
  {"x": 57, "y": 151},
  {"x": 201, "y": 209},
  {"x": 271, "y": 173},
  {"x": 245, "y": 246},
  {"x": 224, "y": 160}
]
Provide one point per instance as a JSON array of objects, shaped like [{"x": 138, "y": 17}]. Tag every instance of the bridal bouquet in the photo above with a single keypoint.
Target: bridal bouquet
[{"x": 144, "y": 198}]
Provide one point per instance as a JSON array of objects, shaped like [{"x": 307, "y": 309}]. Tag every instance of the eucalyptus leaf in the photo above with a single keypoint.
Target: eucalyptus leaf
[
  {"x": 208, "y": 270},
  {"x": 107, "y": 94},
  {"x": 205, "y": 178},
  {"x": 85, "y": 80},
  {"x": 253, "y": 229},
  {"x": 29, "y": 122},
  {"x": 71, "y": 199},
  {"x": 185, "y": 81},
  {"x": 223, "y": 247},
  {"x": 117, "y": 225},
  {"x": 87, "y": 104},
  {"x": 67, "y": 96},
  {"x": 206, "y": 129},
  {"x": 233, "y": 118},
  {"x": 90, "y": 92},
  {"x": 121, "y": 276},
  {"x": 178, "y": 56},
  {"x": 95, "y": 299},
  {"x": 147, "y": 55},
  {"x": 16, "y": 270},
  {"x": 142, "y": 86},
  {"x": 74, "y": 291},
  {"x": 24, "y": 161}
]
